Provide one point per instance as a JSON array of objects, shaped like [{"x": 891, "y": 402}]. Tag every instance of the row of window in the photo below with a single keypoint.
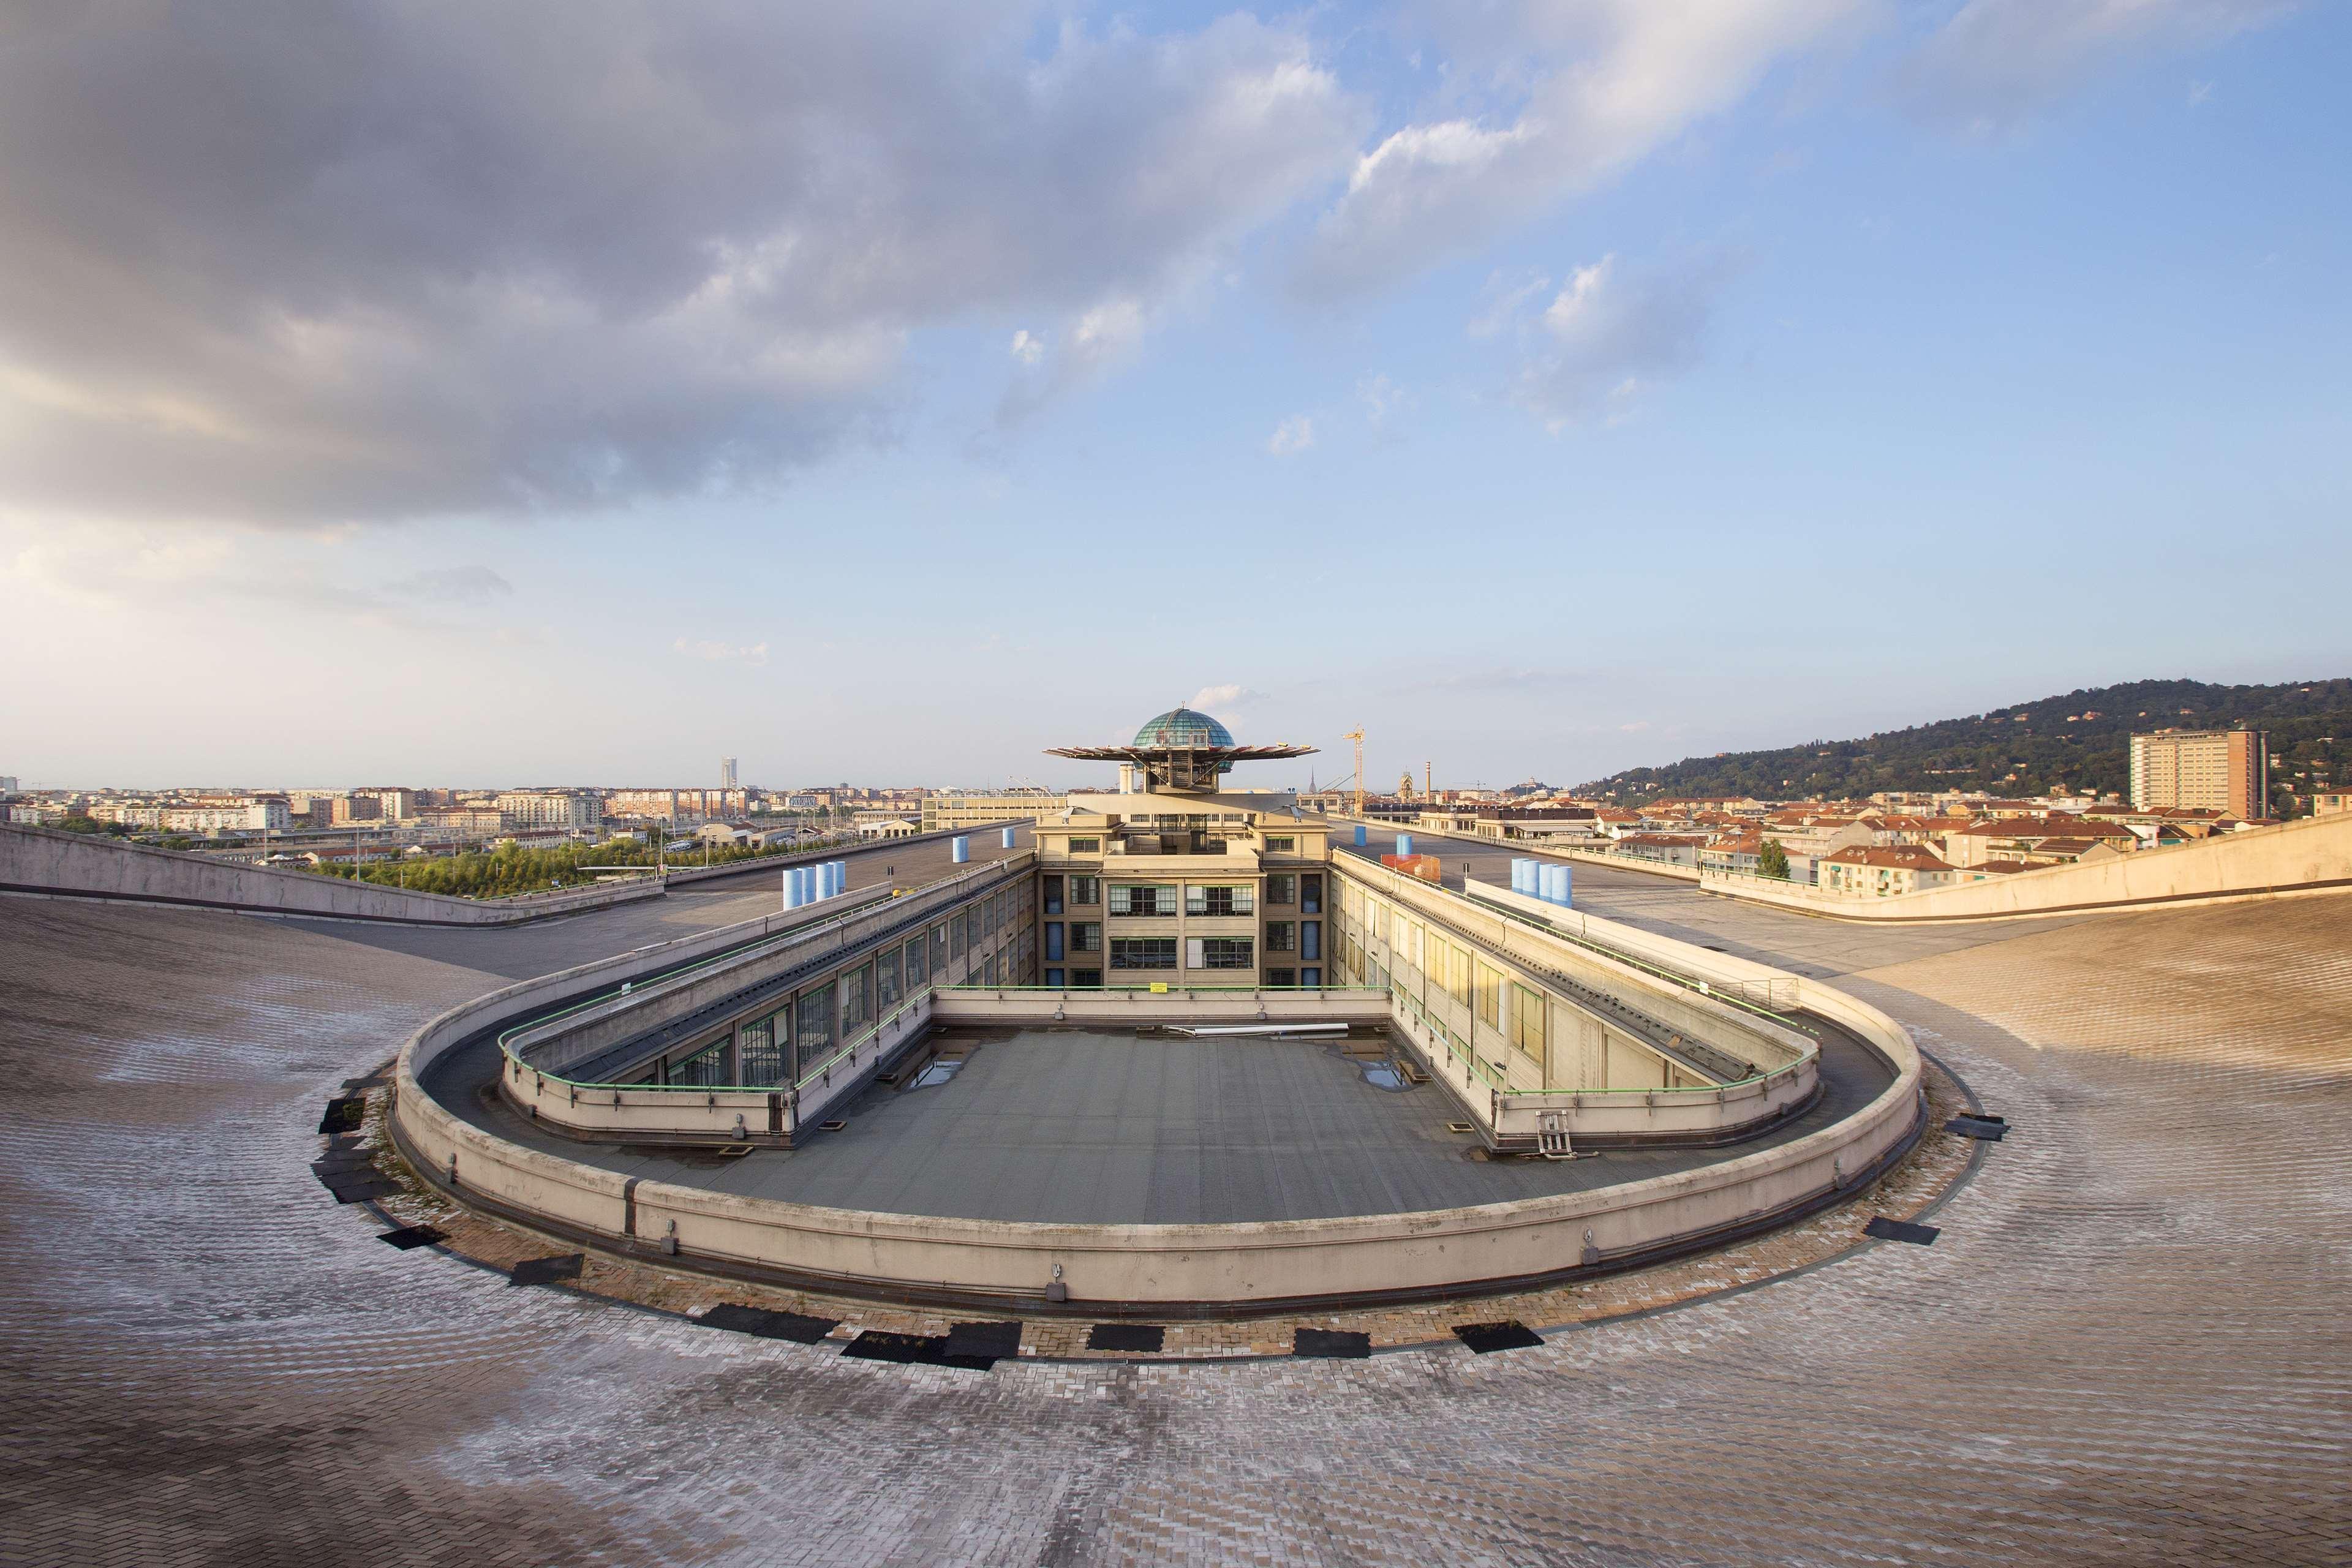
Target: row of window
[
  {"x": 799, "y": 1037},
  {"x": 1071, "y": 939},
  {"x": 1086, "y": 979},
  {"x": 1283, "y": 888},
  {"x": 1442, "y": 966}
]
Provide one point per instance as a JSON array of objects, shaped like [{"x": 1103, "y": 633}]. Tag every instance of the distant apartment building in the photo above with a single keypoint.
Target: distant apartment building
[
  {"x": 563, "y": 809},
  {"x": 2330, "y": 803},
  {"x": 1883, "y": 871},
  {"x": 726, "y": 779},
  {"x": 7, "y": 784},
  {"x": 953, "y": 812},
  {"x": 2216, "y": 770},
  {"x": 393, "y": 804},
  {"x": 463, "y": 822},
  {"x": 675, "y": 805}
]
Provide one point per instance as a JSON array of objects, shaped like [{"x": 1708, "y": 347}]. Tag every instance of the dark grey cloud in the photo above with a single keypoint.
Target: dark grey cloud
[{"x": 318, "y": 261}]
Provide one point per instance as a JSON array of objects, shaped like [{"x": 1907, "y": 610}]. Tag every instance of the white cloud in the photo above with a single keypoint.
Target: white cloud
[
  {"x": 1293, "y": 435},
  {"x": 1385, "y": 402},
  {"x": 1224, "y": 701},
  {"x": 1581, "y": 92},
  {"x": 716, "y": 652},
  {"x": 1027, "y": 348},
  {"x": 1996, "y": 63},
  {"x": 374, "y": 261},
  {"x": 1610, "y": 331},
  {"x": 2200, "y": 93}
]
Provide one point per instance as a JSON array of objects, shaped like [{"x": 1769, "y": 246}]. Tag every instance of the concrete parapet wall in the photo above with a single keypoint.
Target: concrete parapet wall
[
  {"x": 1131, "y": 1009},
  {"x": 1145, "y": 1267},
  {"x": 2260, "y": 862},
  {"x": 43, "y": 860}
]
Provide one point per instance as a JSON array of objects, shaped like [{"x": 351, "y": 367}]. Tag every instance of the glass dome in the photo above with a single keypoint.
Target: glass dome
[{"x": 1183, "y": 727}]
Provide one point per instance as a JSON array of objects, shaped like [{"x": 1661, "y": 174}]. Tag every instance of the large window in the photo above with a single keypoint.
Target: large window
[
  {"x": 857, "y": 1001},
  {"x": 1086, "y": 936},
  {"x": 1052, "y": 941},
  {"x": 1220, "y": 953},
  {"x": 1281, "y": 936},
  {"x": 1053, "y": 978},
  {"x": 1310, "y": 939},
  {"x": 1143, "y": 899},
  {"x": 1084, "y": 979},
  {"x": 1527, "y": 1022},
  {"x": 704, "y": 1068},
  {"x": 1282, "y": 977},
  {"x": 1142, "y": 952},
  {"x": 1281, "y": 846},
  {"x": 1457, "y": 973},
  {"x": 918, "y": 970},
  {"x": 1208, "y": 900},
  {"x": 886, "y": 983},
  {"x": 1085, "y": 846},
  {"x": 765, "y": 1048},
  {"x": 1310, "y": 894},
  {"x": 1053, "y": 895},
  {"x": 1085, "y": 890},
  {"x": 813, "y": 1027},
  {"x": 955, "y": 935},
  {"x": 1282, "y": 888},
  {"x": 940, "y": 953},
  {"x": 1490, "y": 996}
]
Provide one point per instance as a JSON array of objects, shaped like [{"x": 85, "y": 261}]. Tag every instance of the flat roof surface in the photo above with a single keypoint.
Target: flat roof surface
[{"x": 1120, "y": 1127}]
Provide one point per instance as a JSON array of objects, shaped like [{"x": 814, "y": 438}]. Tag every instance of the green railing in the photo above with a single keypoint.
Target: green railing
[
  {"x": 739, "y": 949},
  {"x": 1705, "y": 988}
]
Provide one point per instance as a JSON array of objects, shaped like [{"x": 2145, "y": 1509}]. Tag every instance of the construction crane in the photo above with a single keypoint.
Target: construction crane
[{"x": 1356, "y": 735}]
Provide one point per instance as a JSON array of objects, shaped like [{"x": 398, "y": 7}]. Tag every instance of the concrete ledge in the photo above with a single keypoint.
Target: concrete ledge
[{"x": 1195, "y": 1270}]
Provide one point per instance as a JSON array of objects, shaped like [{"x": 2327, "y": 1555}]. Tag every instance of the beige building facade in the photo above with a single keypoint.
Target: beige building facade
[{"x": 2212, "y": 770}]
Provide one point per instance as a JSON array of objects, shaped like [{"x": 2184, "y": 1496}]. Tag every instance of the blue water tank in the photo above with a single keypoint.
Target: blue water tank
[
  {"x": 1008, "y": 838},
  {"x": 1360, "y": 836},
  {"x": 960, "y": 849},
  {"x": 1405, "y": 844}
]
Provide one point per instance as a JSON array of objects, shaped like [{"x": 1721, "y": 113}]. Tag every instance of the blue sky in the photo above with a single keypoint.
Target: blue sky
[{"x": 1549, "y": 389}]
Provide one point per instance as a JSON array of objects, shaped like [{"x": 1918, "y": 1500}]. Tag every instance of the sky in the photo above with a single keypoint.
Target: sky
[{"x": 885, "y": 393}]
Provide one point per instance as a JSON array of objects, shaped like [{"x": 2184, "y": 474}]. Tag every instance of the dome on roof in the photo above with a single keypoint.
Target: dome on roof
[{"x": 1183, "y": 727}]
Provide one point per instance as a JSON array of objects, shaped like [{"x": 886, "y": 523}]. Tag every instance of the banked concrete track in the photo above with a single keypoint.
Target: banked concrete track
[{"x": 2128, "y": 1345}]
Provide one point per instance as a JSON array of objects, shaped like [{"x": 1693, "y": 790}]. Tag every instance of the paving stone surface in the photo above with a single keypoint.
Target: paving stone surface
[{"x": 2128, "y": 1345}]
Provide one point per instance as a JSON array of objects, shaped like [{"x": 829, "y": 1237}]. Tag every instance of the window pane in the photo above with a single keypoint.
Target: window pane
[
  {"x": 1086, "y": 890},
  {"x": 1310, "y": 939},
  {"x": 1143, "y": 952},
  {"x": 885, "y": 983},
  {"x": 1053, "y": 895},
  {"x": 1053, "y": 940},
  {"x": 917, "y": 973},
  {"x": 813, "y": 1027}
]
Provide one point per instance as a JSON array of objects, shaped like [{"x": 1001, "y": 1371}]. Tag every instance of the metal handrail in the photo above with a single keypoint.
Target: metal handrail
[{"x": 741, "y": 950}]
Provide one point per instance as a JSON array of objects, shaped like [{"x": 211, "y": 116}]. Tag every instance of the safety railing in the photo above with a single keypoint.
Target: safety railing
[{"x": 920, "y": 904}]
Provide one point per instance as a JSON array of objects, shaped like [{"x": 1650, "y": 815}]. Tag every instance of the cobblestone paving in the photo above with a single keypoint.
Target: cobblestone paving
[{"x": 2127, "y": 1345}]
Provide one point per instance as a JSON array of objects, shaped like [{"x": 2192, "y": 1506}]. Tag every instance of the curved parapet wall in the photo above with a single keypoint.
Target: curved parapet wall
[{"x": 1164, "y": 1269}]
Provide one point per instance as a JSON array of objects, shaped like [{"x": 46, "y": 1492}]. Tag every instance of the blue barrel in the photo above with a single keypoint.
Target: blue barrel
[
  {"x": 1405, "y": 843},
  {"x": 1008, "y": 838},
  {"x": 1549, "y": 884},
  {"x": 792, "y": 888},
  {"x": 1566, "y": 878},
  {"x": 960, "y": 849},
  {"x": 1360, "y": 836},
  {"x": 841, "y": 875},
  {"x": 1523, "y": 875}
]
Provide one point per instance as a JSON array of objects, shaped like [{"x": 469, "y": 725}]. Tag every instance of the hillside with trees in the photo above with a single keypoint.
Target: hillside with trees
[{"x": 2078, "y": 742}]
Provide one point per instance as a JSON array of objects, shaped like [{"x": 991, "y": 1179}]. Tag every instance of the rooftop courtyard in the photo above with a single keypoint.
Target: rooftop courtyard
[{"x": 1085, "y": 1126}]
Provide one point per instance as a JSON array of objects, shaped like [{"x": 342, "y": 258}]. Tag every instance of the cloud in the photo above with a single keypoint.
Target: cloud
[
  {"x": 1027, "y": 348},
  {"x": 1385, "y": 403},
  {"x": 1609, "y": 332},
  {"x": 465, "y": 584},
  {"x": 376, "y": 261},
  {"x": 1293, "y": 435},
  {"x": 715, "y": 652},
  {"x": 1998, "y": 63},
  {"x": 1224, "y": 701},
  {"x": 1579, "y": 93},
  {"x": 1504, "y": 302}
]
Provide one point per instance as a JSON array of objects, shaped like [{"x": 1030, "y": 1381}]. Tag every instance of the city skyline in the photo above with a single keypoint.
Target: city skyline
[{"x": 1867, "y": 365}]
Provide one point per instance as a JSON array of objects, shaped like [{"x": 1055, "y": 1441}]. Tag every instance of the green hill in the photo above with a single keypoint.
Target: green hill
[{"x": 2079, "y": 741}]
